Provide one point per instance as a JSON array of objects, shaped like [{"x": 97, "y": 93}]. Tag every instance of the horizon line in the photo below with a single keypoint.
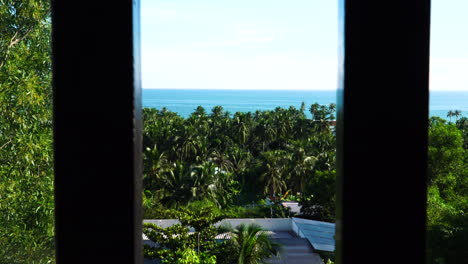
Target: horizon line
[
  {"x": 243, "y": 89},
  {"x": 275, "y": 89}
]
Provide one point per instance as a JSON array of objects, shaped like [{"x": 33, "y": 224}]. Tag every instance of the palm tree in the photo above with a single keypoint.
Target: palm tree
[
  {"x": 301, "y": 165},
  {"x": 176, "y": 185},
  {"x": 210, "y": 183},
  {"x": 450, "y": 114},
  {"x": 283, "y": 124},
  {"x": 331, "y": 111},
  {"x": 302, "y": 128},
  {"x": 457, "y": 113},
  {"x": 332, "y": 107},
  {"x": 221, "y": 160},
  {"x": 252, "y": 245},
  {"x": 275, "y": 165},
  {"x": 217, "y": 111},
  {"x": 203, "y": 184},
  {"x": 155, "y": 163},
  {"x": 240, "y": 128},
  {"x": 199, "y": 112},
  {"x": 321, "y": 115},
  {"x": 315, "y": 111},
  {"x": 239, "y": 159},
  {"x": 303, "y": 107},
  {"x": 264, "y": 133},
  {"x": 186, "y": 144},
  {"x": 462, "y": 124}
]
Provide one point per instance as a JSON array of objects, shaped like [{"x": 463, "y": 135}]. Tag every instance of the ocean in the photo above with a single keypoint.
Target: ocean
[{"x": 184, "y": 101}]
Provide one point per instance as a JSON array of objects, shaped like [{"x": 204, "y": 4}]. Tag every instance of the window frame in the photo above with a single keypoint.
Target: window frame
[
  {"x": 382, "y": 131},
  {"x": 98, "y": 129}
]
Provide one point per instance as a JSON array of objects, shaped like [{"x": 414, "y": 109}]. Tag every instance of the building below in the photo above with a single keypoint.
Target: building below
[{"x": 301, "y": 239}]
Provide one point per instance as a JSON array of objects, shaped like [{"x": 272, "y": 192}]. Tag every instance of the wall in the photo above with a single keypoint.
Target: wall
[{"x": 272, "y": 224}]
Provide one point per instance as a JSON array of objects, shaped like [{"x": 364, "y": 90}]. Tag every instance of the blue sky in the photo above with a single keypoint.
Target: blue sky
[{"x": 273, "y": 44}]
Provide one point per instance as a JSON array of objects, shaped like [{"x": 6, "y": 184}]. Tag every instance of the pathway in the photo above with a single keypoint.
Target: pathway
[{"x": 295, "y": 251}]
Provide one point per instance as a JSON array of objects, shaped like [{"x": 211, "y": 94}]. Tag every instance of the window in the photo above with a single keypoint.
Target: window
[
  {"x": 96, "y": 132},
  {"x": 448, "y": 130},
  {"x": 239, "y": 102}
]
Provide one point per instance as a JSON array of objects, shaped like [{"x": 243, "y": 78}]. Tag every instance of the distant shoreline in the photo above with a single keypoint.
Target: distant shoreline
[
  {"x": 236, "y": 89},
  {"x": 249, "y": 89},
  {"x": 184, "y": 100}
]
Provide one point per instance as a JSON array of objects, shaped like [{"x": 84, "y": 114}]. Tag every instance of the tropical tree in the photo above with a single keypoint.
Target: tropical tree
[
  {"x": 225, "y": 158},
  {"x": 274, "y": 170},
  {"x": 319, "y": 196},
  {"x": 205, "y": 183},
  {"x": 322, "y": 115},
  {"x": 264, "y": 133},
  {"x": 332, "y": 108},
  {"x": 446, "y": 157},
  {"x": 302, "y": 129},
  {"x": 447, "y": 228},
  {"x": 252, "y": 245},
  {"x": 303, "y": 107},
  {"x": 175, "y": 185},
  {"x": 239, "y": 159},
  {"x": 26, "y": 155},
  {"x": 155, "y": 163},
  {"x": 160, "y": 129},
  {"x": 175, "y": 245},
  {"x": 218, "y": 134},
  {"x": 314, "y": 111},
  {"x": 462, "y": 125},
  {"x": 187, "y": 144},
  {"x": 282, "y": 124},
  {"x": 456, "y": 114},
  {"x": 221, "y": 160},
  {"x": 450, "y": 114},
  {"x": 217, "y": 111},
  {"x": 301, "y": 166},
  {"x": 240, "y": 127}
]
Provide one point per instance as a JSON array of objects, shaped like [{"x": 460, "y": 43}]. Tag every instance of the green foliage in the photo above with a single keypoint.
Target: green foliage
[
  {"x": 447, "y": 229},
  {"x": 26, "y": 175},
  {"x": 455, "y": 113},
  {"x": 190, "y": 256},
  {"x": 233, "y": 159},
  {"x": 446, "y": 157},
  {"x": 462, "y": 125},
  {"x": 176, "y": 245},
  {"x": 320, "y": 197},
  {"x": 251, "y": 245},
  {"x": 447, "y": 200},
  {"x": 327, "y": 257},
  {"x": 274, "y": 170},
  {"x": 258, "y": 211}
]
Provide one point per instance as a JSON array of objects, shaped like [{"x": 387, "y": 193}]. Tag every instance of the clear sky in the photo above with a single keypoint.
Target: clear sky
[
  {"x": 449, "y": 45},
  {"x": 273, "y": 44}
]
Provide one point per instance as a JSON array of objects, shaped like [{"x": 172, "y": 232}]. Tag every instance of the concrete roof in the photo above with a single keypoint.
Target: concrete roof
[{"x": 319, "y": 234}]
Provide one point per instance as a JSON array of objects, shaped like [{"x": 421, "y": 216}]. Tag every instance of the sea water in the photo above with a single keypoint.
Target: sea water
[{"x": 184, "y": 101}]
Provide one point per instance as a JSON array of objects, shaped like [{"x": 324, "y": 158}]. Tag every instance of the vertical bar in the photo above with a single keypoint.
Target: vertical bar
[
  {"x": 382, "y": 131},
  {"x": 97, "y": 131},
  {"x": 137, "y": 137}
]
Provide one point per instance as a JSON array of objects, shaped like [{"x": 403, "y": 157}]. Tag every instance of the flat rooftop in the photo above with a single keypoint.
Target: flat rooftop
[{"x": 320, "y": 235}]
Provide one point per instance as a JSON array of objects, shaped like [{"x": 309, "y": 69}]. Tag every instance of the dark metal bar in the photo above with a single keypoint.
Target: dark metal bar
[
  {"x": 382, "y": 131},
  {"x": 97, "y": 131}
]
